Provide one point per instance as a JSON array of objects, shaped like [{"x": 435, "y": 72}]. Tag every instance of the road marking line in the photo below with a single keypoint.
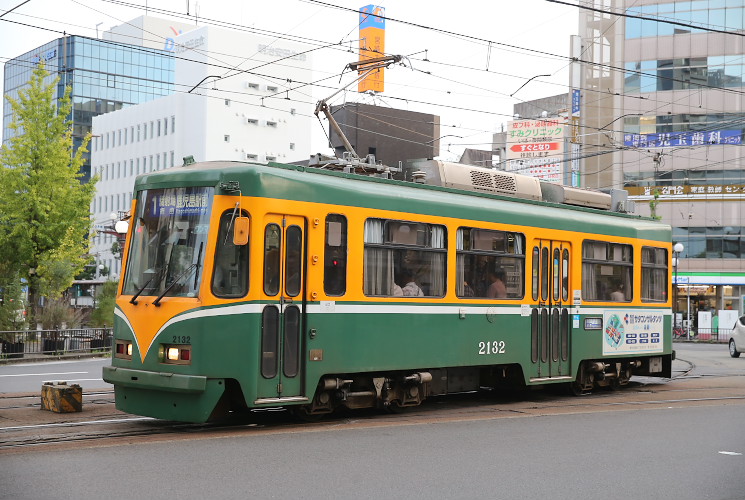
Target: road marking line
[{"x": 43, "y": 374}]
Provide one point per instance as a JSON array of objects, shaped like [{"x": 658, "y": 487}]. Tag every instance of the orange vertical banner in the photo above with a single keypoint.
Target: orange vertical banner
[{"x": 372, "y": 45}]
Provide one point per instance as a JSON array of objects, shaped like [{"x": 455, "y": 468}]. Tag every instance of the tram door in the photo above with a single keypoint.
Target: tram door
[
  {"x": 550, "y": 325},
  {"x": 282, "y": 316}
]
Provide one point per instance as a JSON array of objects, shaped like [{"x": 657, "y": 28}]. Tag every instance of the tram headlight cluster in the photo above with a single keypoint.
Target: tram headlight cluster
[
  {"x": 176, "y": 354},
  {"x": 123, "y": 349}
]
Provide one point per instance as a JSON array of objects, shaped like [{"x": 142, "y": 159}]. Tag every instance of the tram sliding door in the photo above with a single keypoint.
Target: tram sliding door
[
  {"x": 282, "y": 318},
  {"x": 550, "y": 325}
]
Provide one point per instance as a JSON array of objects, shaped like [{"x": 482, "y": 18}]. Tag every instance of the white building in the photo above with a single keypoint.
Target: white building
[{"x": 223, "y": 109}]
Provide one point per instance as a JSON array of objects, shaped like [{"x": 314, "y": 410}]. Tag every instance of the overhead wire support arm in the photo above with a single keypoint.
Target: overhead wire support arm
[{"x": 366, "y": 66}]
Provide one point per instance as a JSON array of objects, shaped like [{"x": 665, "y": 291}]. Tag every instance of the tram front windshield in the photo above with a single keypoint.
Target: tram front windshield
[{"x": 168, "y": 242}]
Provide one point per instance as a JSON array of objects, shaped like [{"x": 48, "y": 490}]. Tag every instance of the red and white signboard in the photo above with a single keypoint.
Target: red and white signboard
[
  {"x": 546, "y": 169},
  {"x": 540, "y": 138}
]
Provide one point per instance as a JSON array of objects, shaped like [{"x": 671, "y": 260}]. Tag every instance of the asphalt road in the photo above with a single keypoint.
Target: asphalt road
[
  {"x": 29, "y": 377},
  {"x": 690, "y": 453},
  {"x": 671, "y": 450}
]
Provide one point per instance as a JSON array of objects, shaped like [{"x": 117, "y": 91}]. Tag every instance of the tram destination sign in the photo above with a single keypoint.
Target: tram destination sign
[{"x": 540, "y": 138}]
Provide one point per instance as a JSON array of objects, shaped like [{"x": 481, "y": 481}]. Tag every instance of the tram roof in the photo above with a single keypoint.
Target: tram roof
[{"x": 300, "y": 183}]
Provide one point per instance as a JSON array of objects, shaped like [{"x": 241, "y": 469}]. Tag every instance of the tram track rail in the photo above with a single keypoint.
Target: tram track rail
[
  {"x": 15, "y": 401},
  {"x": 109, "y": 425}
]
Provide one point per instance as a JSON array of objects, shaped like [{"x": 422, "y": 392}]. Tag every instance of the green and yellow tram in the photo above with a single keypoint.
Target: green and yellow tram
[{"x": 249, "y": 285}]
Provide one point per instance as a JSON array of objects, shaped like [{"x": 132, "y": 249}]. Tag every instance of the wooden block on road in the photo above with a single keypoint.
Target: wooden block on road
[{"x": 61, "y": 398}]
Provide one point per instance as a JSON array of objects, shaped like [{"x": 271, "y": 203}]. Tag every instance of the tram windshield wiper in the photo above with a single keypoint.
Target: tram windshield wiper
[
  {"x": 157, "y": 273},
  {"x": 185, "y": 272}
]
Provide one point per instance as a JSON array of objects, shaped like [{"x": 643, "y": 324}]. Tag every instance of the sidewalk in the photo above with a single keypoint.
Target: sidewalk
[{"x": 40, "y": 358}]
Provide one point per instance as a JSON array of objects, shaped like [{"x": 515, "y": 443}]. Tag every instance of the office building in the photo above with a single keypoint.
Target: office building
[
  {"x": 662, "y": 115},
  {"x": 104, "y": 75},
  {"x": 221, "y": 110}
]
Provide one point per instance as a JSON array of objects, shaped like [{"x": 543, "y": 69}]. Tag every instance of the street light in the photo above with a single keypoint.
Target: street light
[{"x": 677, "y": 249}]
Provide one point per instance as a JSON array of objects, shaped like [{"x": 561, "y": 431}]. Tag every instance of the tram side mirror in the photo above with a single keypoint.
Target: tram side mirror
[{"x": 240, "y": 231}]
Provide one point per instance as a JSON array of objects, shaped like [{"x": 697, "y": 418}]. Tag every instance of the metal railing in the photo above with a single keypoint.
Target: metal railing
[
  {"x": 36, "y": 343},
  {"x": 718, "y": 335}
]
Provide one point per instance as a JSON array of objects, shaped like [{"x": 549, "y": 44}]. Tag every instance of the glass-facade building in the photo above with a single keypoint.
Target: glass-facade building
[
  {"x": 664, "y": 103},
  {"x": 103, "y": 75}
]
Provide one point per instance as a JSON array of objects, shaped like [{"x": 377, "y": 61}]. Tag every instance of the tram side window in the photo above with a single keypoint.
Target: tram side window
[
  {"x": 335, "y": 255},
  {"x": 230, "y": 277},
  {"x": 654, "y": 274},
  {"x": 404, "y": 259},
  {"x": 606, "y": 271},
  {"x": 490, "y": 264}
]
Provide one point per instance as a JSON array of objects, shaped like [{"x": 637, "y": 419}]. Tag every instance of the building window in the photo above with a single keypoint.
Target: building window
[
  {"x": 270, "y": 88},
  {"x": 226, "y": 138},
  {"x": 271, "y": 124},
  {"x": 152, "y": 129},
  {"x": 404, "y": 258},
  {"x": 157, "y": 162},
  {"x": 252, "y": 121},
  {"x": 138, "y": 133},
  {"x": 271, "y": 158},
  {"x": 253, "y": 86},
  {"x": 490, "y": 264},
  {"x": 227, "y": 102},
  {"x": 165, "y": 126},
  {"x": 158, "y": 128},
  {"x": 131, "y": 168},
  {"x": 606, "y": 271},
  {"x": 173, "y": 124},
  {"x": 292, "y": 111},
  {"x": 292, "y": 146},
  {"x": 172, "y": 155}
]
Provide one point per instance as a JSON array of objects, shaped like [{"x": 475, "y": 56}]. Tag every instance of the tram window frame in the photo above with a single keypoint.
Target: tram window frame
[
  {"x": 500, "y": 251},
  {"x": 224, "y": 247},
  {"x": 272, "y": 264},
  {"x": 536, "y": 270},
  {"x": 335, "y": 256},
  {"x": 391, "y": 243},
  {"x": 606, "y": 264},
  {"x": 654, "y": 270}
]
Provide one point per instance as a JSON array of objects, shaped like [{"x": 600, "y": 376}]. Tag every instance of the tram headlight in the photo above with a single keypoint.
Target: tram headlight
[
  {"x": 178, "y": 354},
  {"x": 123, "y": 349}
]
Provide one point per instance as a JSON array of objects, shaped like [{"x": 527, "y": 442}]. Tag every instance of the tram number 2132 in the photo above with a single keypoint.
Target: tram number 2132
[{"x": 491, "y": 347}]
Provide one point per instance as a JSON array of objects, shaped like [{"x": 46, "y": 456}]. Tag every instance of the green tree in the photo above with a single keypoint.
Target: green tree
[
  {"x": 11, "y": 303},
  {"x": 44, "y": 209},
  {"x": 103, "y": 314}
]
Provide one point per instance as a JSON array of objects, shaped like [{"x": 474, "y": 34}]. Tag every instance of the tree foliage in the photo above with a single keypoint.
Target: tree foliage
[
  {"x": 11, "y": 303},
  {"x": 103, "y": 314},
  {"x": 44, "y": 209}
]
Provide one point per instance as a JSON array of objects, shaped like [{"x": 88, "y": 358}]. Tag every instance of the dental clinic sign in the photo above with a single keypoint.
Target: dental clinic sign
[{"x": 679, "y": 139}]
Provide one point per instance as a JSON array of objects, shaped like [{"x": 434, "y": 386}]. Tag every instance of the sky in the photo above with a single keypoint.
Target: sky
[{"x": 464, "y": 61}]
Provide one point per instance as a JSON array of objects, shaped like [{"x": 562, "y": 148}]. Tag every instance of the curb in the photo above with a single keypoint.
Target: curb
[{"x": 60, "y": 357}]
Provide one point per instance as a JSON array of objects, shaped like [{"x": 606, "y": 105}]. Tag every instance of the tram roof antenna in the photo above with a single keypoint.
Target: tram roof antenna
[{"x": 366, "y": 66}]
